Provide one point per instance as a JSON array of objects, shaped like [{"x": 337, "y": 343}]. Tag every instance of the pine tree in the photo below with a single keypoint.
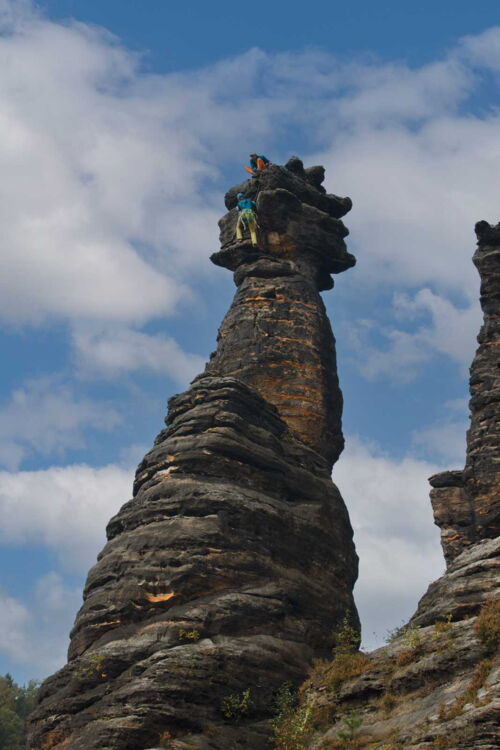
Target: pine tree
[{"x": 15, "y": 704}]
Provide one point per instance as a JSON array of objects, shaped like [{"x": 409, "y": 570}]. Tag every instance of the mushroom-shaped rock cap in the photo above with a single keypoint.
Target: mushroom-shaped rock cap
[
  {"x": 487, "y": 234},
  {"x": 297, "y": 222},
  {"x": 303, "y": 185}
]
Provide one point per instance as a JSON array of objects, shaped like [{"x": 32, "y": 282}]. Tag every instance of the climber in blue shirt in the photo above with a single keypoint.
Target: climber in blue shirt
[{"x": 246, "y": 218}]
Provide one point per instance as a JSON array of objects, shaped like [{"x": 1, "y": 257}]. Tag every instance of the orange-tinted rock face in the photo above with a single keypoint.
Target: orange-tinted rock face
[
  {"x": 452, "y": 512},
  {"x": 276, "y": 336}
]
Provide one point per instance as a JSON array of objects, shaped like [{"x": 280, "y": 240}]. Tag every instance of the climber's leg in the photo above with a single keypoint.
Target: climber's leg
[
  {"x": 252, "y": 228},
  {"x": 239, "y": 224}
]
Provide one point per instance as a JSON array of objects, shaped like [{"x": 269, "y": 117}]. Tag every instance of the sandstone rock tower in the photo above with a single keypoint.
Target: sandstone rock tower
[
  {"x": 467, "y": 503},
  {"x": 231, "y": 567},
  {"x": 436, "y": 685}
]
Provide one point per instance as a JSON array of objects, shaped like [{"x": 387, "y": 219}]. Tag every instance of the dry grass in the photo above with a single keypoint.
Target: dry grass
[
  {"x": 406, "y": 657},
  {"x": 343, "y": 667},
  {"x": 487, "y": 625},
  {"x": 387, "y": 702},
  {"x": 469, "y": 695}
]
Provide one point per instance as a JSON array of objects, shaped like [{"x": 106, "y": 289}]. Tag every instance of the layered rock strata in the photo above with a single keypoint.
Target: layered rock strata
[
  {"x": 233, "y": 564},
  {"x": 466, "y": 503},
  {"x": 276, "y": 335},
  {"x": 436, "y": 685}
]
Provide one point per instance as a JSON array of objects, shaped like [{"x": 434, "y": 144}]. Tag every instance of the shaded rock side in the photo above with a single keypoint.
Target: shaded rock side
[
  {"x": 467, "y": 504},
  {"x": 223, "y": 578},
  {"x": 435, "y": 686},
  {"x": 276, "y": 335}
]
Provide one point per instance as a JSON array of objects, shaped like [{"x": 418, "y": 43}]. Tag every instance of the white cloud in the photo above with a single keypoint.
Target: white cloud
[
  {"x": 90, "y": 162},
  {"x": 14, "y": 618},
  {"x": 65, "y": 509},
  {"x": 107, "y": 201},
  {"x": 417, "y": 194},
  {"x": 446, "y": 438},
  {"x": 482, "y": 50},
  {"x": 37, "y": 635},
  {"x": 398, "y": 545},
  {"x": 451, "y": 331},
  {"x": 45, "y": 416},
  {"x": 398, "y": 360},
  {"x": 116, "y": 351},
  {"x": 386, "y": 93}
]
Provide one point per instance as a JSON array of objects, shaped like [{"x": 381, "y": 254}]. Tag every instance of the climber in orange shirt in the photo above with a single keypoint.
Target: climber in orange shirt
[{"x": 257, "y": 164}]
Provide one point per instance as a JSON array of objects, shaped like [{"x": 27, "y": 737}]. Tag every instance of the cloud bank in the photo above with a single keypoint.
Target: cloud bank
[
  {"x": 110, "y": 193},
  {"x": 64, "y": 509},
  {"x": 46, "y": 416},
  {"x": 111, "y": 175}
]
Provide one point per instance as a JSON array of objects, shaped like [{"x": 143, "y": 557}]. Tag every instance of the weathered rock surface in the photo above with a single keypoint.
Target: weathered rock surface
[
  {"x": 436, "y": 686},
  {"x": 482, "y": 468},
  {"x": 467, "y": 504},
  {"x": 232, "y": 566},
  {"x": 276, "y": 335}
]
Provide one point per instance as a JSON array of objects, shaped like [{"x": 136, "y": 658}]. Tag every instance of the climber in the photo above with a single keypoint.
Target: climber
[
  {"x": 247, "y": 218},
  {"x": 257, "y": 164}
]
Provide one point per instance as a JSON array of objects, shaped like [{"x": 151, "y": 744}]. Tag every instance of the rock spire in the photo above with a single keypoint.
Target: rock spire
[
  {"x": 436, "y": 685},
  {"x": 277, "y": 336},
  {"x": 233, "y": 564},
  {"x": 466, "y": 503}
]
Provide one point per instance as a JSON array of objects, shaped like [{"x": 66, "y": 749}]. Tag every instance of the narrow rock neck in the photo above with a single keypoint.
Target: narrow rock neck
[{"x": 276, "y": 337}]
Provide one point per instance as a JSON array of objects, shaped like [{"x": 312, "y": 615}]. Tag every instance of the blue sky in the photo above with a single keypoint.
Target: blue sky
[{"x": 121, "y": 126}]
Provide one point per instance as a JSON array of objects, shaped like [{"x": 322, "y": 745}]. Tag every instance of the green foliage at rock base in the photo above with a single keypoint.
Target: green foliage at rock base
[
  {"x": 346, "y": 638},
  {"x": 15, "y": 704},
  {"x": 292, "y": 725}
]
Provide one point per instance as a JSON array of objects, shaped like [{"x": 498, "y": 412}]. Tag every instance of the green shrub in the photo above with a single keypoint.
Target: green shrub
[
  {"x": 346, "y": 638},
  {"x": 190, "y": 635},
  {"x": 442, "y": 627},
  {"x": 412, "y": 639},
  {"x": 234, "y": 706},
  {"x": 443, "y": 632},
  {"x": 93, "y": 666},
  {"x": 293, "y": 723},
  {"x": 395, "y": 633}
]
